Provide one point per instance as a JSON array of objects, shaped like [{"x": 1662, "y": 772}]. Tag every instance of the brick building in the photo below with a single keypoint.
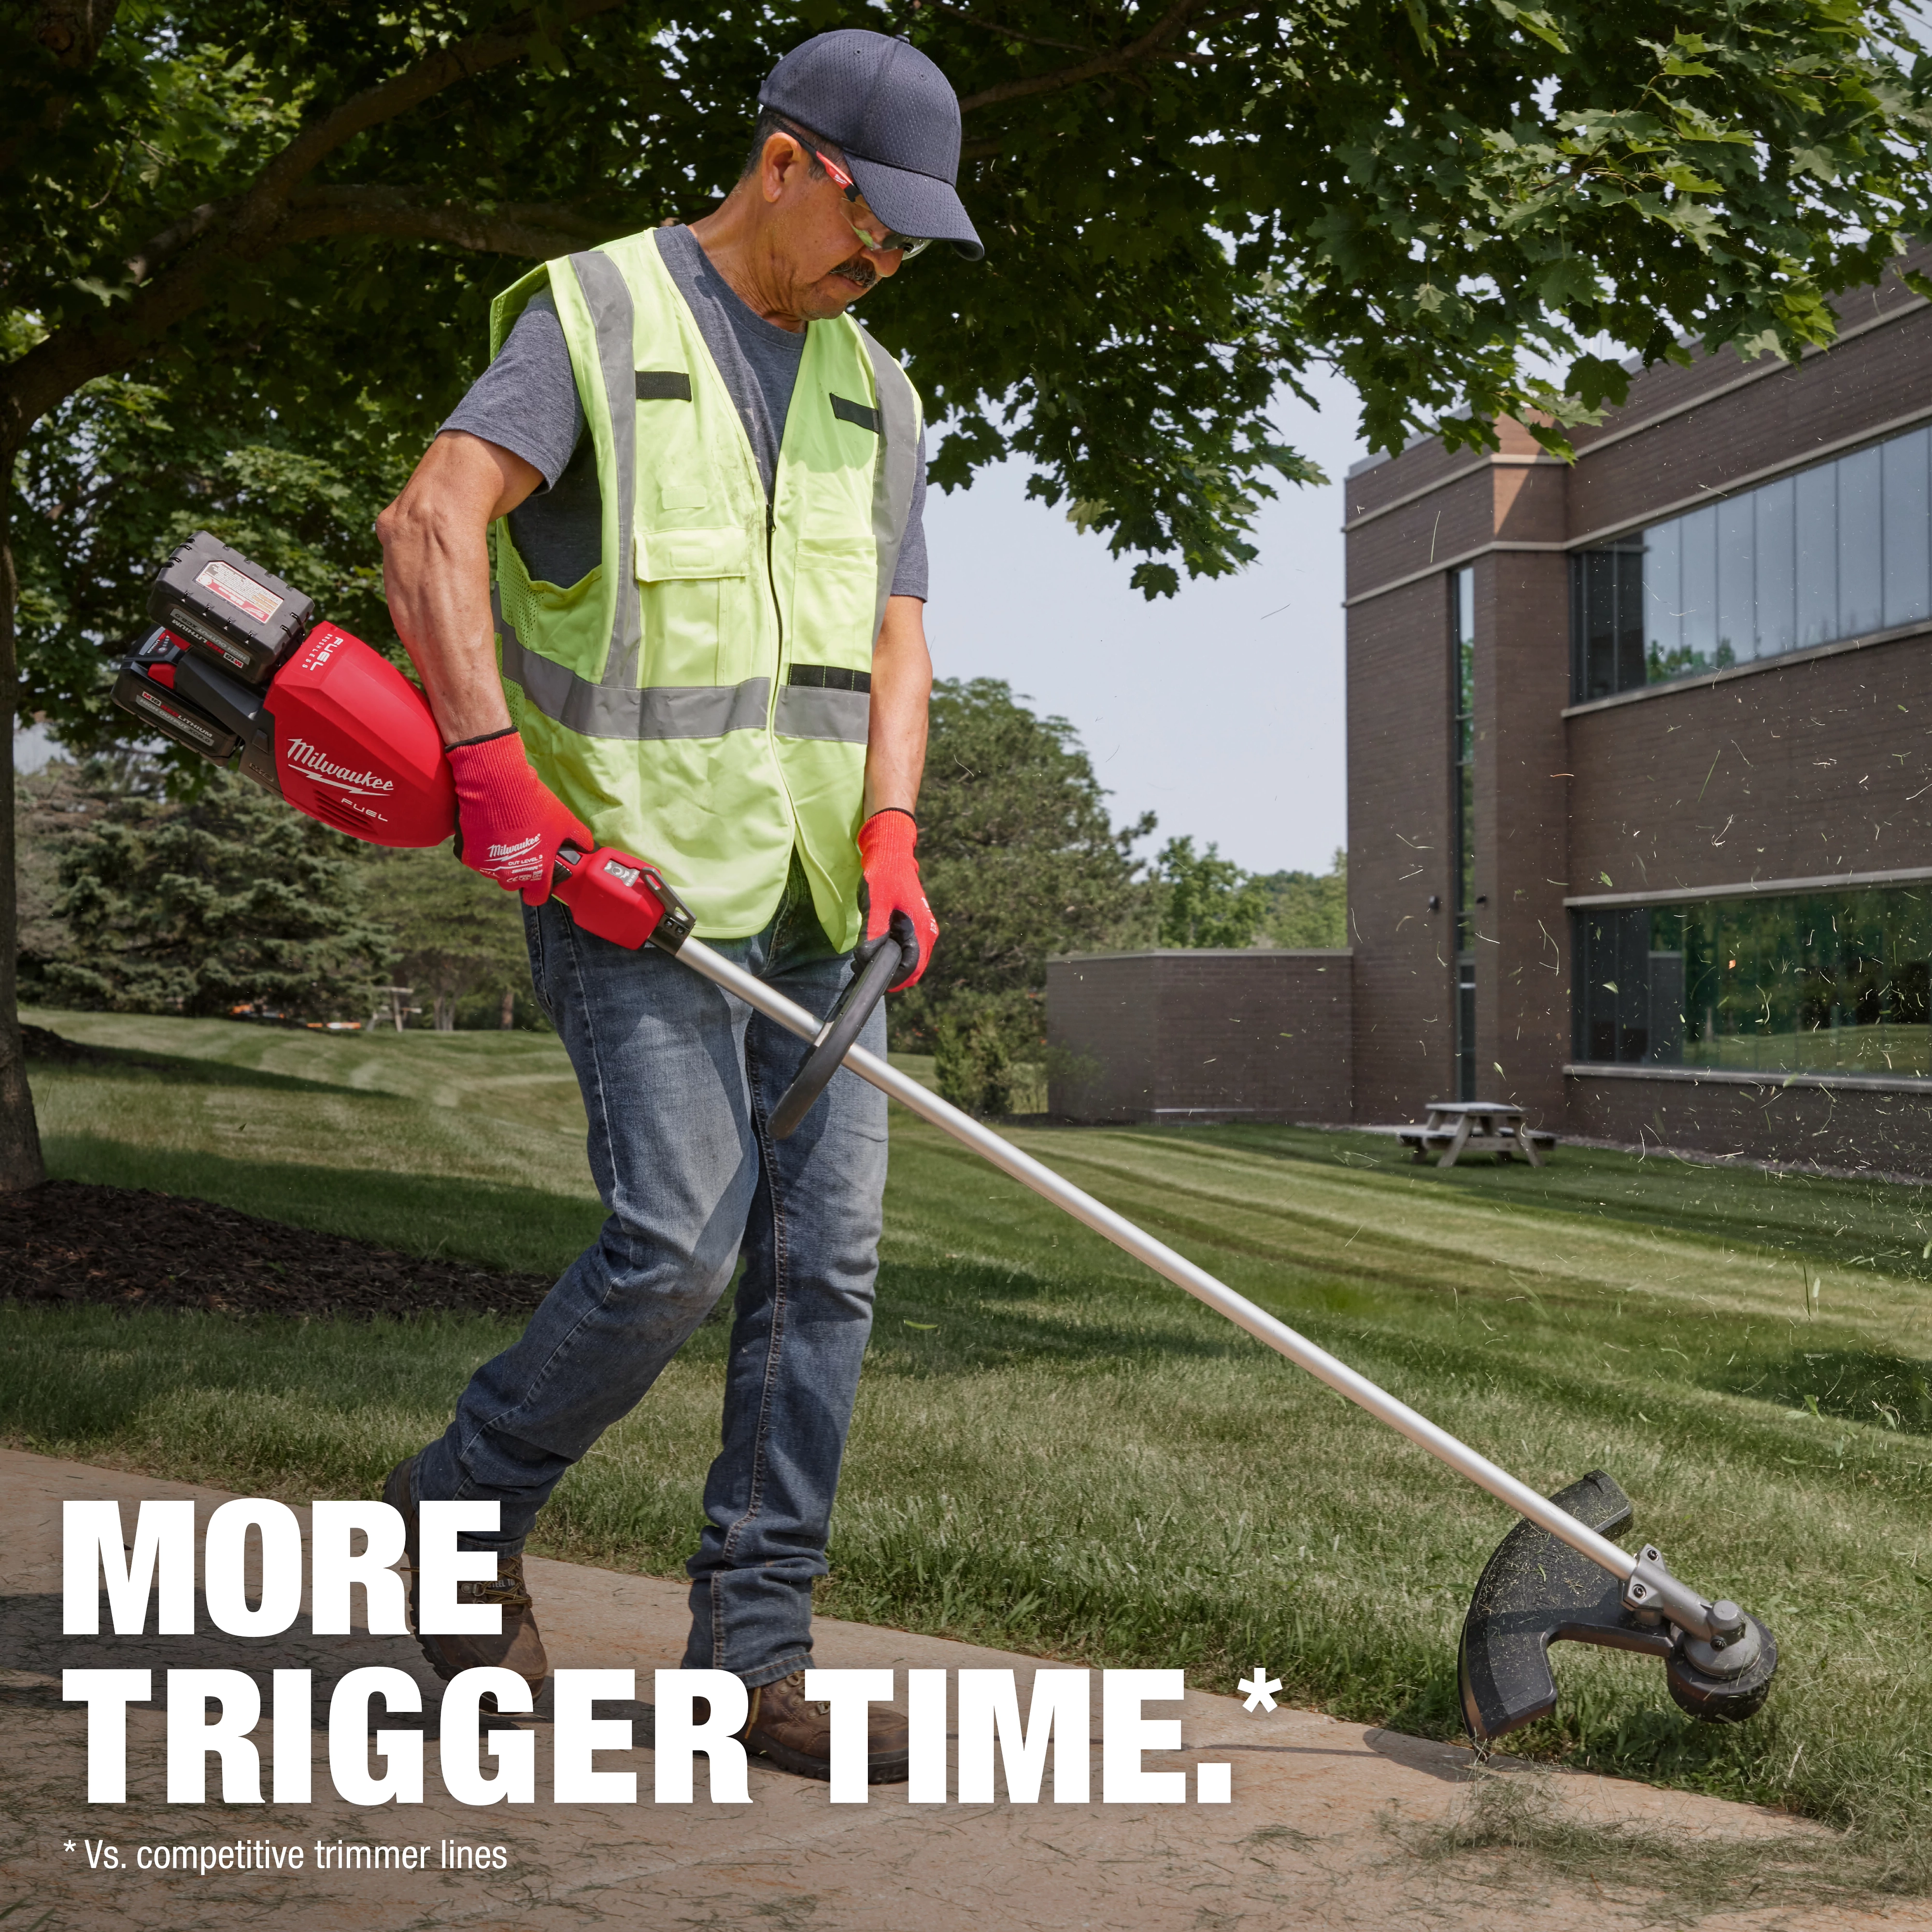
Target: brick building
[
  {"x": 1640, "y": 761},
  {"x": 1200, "y": 1035}
]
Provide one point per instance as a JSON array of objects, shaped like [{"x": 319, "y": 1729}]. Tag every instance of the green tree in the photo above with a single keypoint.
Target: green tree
[
  {"x": 1308, "y": 909},
  {"x": 1207, "y": 900},
  {"x": 1019, "y": 859},
  {"x": 453, "y": 933},
  {"x": 57, "y": 805},
  {"x": 126, "y": 470},
  {"x": 200, "y": 907},
  {"x": 302, "y": 207}
]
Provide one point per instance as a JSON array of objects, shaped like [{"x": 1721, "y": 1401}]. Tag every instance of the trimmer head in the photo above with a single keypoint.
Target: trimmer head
[{"x": 1535, "y": 1591}]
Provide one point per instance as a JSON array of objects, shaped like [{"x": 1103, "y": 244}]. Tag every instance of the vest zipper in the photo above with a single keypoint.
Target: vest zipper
[{"x": 778, "y": 611}]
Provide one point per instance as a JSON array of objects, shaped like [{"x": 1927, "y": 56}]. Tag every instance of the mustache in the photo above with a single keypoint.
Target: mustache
[{"x": 858, "y": 270}]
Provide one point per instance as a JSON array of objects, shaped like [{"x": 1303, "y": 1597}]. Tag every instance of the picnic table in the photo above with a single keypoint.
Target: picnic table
[{"x": 1457, "y": 1127}]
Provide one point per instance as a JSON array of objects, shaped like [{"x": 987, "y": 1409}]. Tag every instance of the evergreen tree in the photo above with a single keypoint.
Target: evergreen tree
[
  {"x": 454, "y": 933},
  {"x": 207, "y": 905}
]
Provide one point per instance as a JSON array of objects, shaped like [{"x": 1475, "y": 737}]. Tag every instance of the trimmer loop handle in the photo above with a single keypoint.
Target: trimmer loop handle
[{"x": 846, "y": 1022}]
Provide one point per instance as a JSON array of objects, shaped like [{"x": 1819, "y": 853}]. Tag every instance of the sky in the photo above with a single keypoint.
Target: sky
[{"x": 1219, "y": 709}]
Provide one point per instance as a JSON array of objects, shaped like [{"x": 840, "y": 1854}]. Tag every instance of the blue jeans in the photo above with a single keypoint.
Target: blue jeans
[{"x": 679, "y": 1080}]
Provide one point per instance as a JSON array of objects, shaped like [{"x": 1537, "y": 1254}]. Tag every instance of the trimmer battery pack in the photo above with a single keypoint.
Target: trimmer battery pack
[
  {"x": 217, "y": 601},
  {"x": 147, "y": 688}
]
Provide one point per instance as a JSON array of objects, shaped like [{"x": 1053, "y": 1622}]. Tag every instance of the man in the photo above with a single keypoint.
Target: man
[{"x": 703, "y": 642}]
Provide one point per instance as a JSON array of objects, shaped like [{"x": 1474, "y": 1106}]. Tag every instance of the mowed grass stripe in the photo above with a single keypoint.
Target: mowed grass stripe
[{"x": 1427, "y": 1239}]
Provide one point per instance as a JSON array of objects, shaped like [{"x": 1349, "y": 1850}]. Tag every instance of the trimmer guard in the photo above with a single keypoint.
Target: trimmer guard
[{"x": 1532, "y": 1592}]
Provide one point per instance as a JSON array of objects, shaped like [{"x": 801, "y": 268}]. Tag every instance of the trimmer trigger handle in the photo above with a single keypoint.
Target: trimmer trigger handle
[{"x": 619, "y": 899}]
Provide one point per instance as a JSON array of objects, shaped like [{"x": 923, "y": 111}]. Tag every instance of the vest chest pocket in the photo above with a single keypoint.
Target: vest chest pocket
[
  {"x": 694, "y": 586},
  {"x": 837, "y": 590}
]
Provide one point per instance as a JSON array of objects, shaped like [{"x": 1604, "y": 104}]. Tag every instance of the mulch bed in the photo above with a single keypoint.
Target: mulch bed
[{"x": 68, "y": 1242}]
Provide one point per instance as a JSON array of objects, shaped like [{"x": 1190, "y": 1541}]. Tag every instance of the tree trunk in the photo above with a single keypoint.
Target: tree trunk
[
  {"x": 509, "y": 1008},
  {"x": 20, "y": 1163},
  {"x": 445, "y": 1012}
]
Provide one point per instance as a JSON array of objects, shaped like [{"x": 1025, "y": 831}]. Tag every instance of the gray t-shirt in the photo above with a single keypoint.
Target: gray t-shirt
[{"x": 527, "y": 402}]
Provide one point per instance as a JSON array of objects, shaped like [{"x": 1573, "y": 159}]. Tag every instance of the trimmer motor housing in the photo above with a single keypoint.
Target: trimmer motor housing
[{"x": 237, "y": 671}]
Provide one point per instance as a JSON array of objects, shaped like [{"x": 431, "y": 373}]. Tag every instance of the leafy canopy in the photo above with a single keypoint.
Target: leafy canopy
[
  {"x": 1207, "y": 900},
  {"x": 1016, "y": 850},
  {"x": 1184, "y": 205},
  {"x": 1307, "y": 909},
  {"x": 127, "y": 469}
]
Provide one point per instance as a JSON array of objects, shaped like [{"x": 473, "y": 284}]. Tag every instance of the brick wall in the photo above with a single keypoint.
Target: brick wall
[
  {"x": 1800, "y": 769},
  {"x": 1203, "y": 1034},
  {"x": 1401, "y": 850},
  {"x": 1855, "y": 388},
  {"x": 1522, "y": 971},
  {"x": 1792, "y": 772},
  {"x": 1840, "y": 1127}
]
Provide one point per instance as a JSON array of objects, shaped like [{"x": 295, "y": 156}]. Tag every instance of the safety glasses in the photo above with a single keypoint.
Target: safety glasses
[{"x": 908, "y": 245}]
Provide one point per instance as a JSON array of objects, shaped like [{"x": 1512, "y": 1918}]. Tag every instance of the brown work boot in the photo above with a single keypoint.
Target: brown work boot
[
  {"x": 517, "y": 1646},
  {"x": 797, "y": 1735}
]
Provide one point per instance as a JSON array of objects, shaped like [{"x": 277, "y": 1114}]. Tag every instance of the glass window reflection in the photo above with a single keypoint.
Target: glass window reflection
[
  {"x": 1826, "y": 982},
  {"x": 1837, "y": 551}
]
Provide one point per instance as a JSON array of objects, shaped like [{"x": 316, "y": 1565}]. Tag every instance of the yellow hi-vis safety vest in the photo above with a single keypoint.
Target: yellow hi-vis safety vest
[{"x": 702, "y": 698}]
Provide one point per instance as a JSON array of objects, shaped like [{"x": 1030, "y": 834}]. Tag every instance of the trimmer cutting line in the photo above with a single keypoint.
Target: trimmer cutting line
[{"x": 338, "y": 733}]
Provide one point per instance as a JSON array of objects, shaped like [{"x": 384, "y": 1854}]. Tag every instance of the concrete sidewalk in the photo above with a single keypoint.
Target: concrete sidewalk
[{"x": 1315, "y": 1836}]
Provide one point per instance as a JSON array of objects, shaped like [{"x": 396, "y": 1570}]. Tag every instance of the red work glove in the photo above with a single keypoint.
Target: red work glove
[
  {"x": 509, "y": 822},
  {"x": 892, "y": 897}
]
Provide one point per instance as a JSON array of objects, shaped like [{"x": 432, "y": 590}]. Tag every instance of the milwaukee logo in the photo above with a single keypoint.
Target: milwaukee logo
[
  {"x": 318, "y": 765},
  {"x": 523, "y": 848}
]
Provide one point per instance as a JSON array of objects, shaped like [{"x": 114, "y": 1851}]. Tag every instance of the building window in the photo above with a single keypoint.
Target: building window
[
  {"x": 1838, "y": 550},
  {"x": 1462, "y": 672},
  {"x": 1819, "y": 983}
]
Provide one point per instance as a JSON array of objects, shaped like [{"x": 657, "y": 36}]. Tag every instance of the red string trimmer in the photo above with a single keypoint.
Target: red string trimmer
[{"x": 236, "y": 670}]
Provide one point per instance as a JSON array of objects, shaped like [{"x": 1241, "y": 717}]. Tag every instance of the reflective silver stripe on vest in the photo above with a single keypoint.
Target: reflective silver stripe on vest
[
  {"x": 608, "y": 299},
  {"x": 662, "y": 711},
  {"x": 808, "y": 711},
  {"x": 891, "y": 476}
]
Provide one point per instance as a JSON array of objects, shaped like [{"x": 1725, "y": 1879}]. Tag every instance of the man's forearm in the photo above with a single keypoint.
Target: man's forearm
[
  {"x": 901, "y": 689},
  {"x": 435, "y": 572}
]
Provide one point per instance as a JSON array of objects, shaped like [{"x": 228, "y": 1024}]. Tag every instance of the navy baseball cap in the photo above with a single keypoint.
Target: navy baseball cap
[{"x": 894, "y": 117}]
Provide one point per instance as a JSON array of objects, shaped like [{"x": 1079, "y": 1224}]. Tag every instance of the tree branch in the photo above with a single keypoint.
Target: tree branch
[
  {"x": 191, "y": 227},
  {"x": 1008, "y": 33},
  {"x": 1148, "y": 47},
  {"x": 410, "y": 88},
  {"x": 72, "y": 31},
  {"x": 247, "y": 226},
  {"x": 533, "y": 230},
  {"x": 389, "y": 98}
]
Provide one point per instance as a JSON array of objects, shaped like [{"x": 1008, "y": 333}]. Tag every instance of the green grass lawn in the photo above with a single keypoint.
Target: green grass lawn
[{"x": 1056, "y": 1452}]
